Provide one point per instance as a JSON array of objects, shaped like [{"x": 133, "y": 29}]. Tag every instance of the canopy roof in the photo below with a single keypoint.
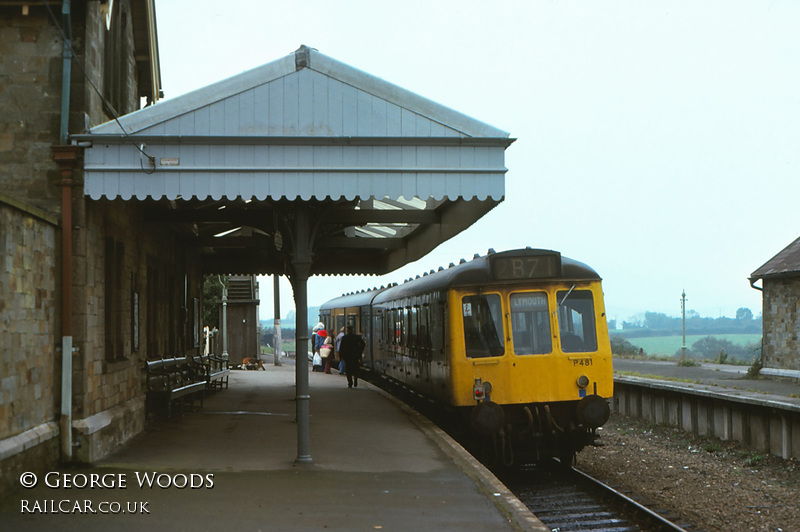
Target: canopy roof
[{"x": 387, "y": 174}]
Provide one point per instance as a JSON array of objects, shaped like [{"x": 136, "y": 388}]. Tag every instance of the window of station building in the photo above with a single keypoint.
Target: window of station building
[
  {"x": 576, "y": 321},
  {"x": 530, "y": 323},
  {"x": 483, "y": 326}
]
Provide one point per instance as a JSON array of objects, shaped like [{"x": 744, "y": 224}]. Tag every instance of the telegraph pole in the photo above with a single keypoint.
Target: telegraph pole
[{"x": 683, "y": 313}]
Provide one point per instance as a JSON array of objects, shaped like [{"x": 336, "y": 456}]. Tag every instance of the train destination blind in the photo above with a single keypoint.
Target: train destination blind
[{"x": 526, "y": 267}]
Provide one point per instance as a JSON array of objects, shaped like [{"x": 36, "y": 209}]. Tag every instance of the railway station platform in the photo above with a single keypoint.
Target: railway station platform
[
  {"x": 783, "y": 387},
  {"x": 230, "y": 465}
]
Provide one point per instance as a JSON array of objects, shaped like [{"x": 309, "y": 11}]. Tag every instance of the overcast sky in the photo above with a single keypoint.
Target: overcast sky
[{"x": 658, "y": 142}]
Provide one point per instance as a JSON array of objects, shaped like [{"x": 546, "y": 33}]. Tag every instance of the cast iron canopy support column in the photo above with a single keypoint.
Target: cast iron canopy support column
[
  {"x": 276, "y": 339},
  {"x": 301, "y": 266}
]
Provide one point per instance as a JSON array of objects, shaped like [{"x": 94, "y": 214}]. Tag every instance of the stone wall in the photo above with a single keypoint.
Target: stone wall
[
  {"x": 109, "y": 406},
  {"x": 108, "y": 395},
  {"x": 30, "y": 99},
  {"x": 781, "y": 315},
  {"x": 29, "y": 363}
]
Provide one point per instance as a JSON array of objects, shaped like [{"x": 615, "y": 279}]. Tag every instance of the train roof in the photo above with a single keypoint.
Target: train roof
[
  {"x": 477, "y": 271},
  {"x": 357, "y": 299}
]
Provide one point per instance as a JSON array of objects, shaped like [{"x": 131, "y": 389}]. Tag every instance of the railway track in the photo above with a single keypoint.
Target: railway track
[
  {"x": 569, "y": 500},
  {"x": 563, "y": 499}
]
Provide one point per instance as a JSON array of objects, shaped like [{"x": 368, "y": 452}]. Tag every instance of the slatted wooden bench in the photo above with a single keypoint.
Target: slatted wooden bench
[
  {"x": 169, "y": 379},
  {"x": 216, "y": 370}
]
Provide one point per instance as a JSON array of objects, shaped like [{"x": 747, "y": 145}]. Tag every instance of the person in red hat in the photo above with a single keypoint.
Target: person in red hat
[{"x": 319, "y": 337}]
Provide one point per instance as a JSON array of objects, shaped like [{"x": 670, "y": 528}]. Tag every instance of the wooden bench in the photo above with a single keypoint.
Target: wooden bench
[
  {"x": 216, "y": 370},
  {"x": 169, "y": 379}
]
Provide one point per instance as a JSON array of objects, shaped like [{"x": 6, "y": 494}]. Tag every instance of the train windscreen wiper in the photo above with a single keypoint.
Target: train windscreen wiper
[{"x": 561, "y": 303}]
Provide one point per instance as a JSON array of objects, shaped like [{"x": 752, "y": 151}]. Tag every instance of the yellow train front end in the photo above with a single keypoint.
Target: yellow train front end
[{"x": 531, "y": 363}]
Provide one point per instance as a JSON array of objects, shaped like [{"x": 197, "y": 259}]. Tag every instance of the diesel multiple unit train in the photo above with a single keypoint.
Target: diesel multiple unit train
[{"x": 515, "y": 342}]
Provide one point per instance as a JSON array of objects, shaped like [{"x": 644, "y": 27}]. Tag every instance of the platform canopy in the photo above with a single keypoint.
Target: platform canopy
[{"x": 385, "y": 175}]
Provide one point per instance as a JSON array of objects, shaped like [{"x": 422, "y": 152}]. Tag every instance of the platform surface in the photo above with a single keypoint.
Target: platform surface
[{"x": 376, "y": 465}]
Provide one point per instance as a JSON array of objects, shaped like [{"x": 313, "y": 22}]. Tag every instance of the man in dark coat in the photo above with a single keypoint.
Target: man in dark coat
[{"x": 350, "y": 351}]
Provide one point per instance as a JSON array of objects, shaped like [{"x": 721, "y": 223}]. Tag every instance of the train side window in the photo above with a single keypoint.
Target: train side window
[
  {"x": 390, "y": 334},
  {"x": 413, "y": 326},
  {"x": 425, "y": 326},
  {"x": 397, "y": 314},
  {"x": 483, "y": 326},
  {"x": 378, "y": 326},
  {"x": 530, "y": 323},
  {"x": 404, "y": 332},
  {"x": 576, "y": 321}
]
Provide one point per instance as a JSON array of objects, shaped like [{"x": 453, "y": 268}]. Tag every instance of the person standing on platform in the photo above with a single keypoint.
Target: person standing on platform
[
  {"x": 338, "y": 348},
  {"x": 319, "y": 337},
  {"x": 350, "y": 351},
  {"x": 326, "y": 352}
]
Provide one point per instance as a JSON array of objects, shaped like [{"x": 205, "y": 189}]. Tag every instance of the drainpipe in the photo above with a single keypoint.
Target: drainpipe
[
  {"x": 66, "y": 69},
  {"x": 66, "y": 157}
]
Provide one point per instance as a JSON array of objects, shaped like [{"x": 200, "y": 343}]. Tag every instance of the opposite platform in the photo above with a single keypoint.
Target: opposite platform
[
  {"x": 726, "y": 379},
  {"x": 377, "y": 465}
]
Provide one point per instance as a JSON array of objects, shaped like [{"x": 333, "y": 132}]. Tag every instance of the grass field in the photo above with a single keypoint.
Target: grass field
[{"x": 669, "y": 345}]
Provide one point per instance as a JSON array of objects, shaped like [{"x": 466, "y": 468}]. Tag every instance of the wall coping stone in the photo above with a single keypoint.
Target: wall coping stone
[
  {"x": 101, "y": 420},
  {"x": 28, "y": 439},
  {"x": 29, "y": 209}
]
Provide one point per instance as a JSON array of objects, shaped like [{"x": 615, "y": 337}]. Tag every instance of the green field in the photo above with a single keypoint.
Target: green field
[{"x": 669, "y": 345}]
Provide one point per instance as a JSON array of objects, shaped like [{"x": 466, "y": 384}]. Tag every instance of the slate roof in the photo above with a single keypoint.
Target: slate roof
[{"x": 784, "y": 264}]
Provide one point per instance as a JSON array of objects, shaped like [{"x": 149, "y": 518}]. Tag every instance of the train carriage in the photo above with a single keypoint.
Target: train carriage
[{"x": 516, "y": 342}]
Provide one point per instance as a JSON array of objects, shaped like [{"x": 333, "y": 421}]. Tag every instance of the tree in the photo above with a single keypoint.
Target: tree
[
  {"x": 212, "y": 296},
  {"x": 621, "y": 346},
  {"x": 658, "y": 320},
  {"x": 744, "y": 314},
  {"x": 710, "y": 348}
]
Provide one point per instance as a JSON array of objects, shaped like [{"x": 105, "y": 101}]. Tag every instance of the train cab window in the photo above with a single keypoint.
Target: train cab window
[
  {"x": 576, "y": 321},
  {"x": 483, "y": 326},
  {"x": 530, "y": 323}
]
